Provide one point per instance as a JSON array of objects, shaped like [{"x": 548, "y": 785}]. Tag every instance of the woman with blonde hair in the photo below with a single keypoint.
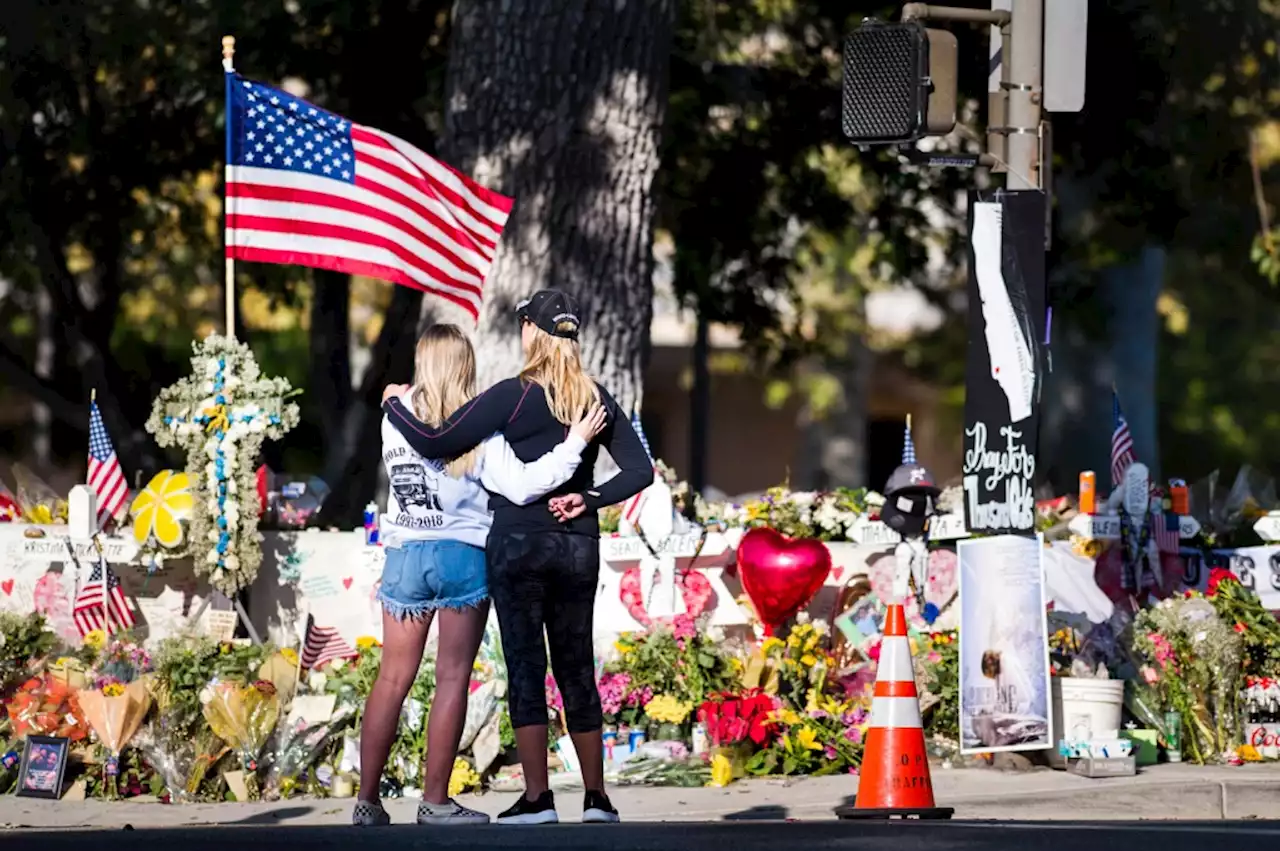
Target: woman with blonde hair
[
  {"x": 544, "y": 558},
  {"x": 434, "y": 532}
]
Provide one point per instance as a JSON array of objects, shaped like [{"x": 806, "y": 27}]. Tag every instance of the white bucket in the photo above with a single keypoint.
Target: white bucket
[{"x": 1084, "y": 708}]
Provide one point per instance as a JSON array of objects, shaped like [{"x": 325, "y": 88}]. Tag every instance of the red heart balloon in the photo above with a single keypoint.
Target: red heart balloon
[{"x": 780, "y": 574}]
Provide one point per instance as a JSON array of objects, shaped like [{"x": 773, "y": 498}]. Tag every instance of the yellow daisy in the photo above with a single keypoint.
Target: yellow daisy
[
  {"x": 161, "y": 507},
  {"x": 95, "y": 639}
]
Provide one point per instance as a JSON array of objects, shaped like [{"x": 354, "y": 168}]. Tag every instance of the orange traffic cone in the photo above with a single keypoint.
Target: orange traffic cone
[{"x": 895, "y": 781}]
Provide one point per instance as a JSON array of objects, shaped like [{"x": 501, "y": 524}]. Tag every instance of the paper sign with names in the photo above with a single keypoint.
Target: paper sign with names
[
  {"x": 1106, "y": 527},
  {"x": 945, "y": 527},
  {"x": 54, "y": 548}
]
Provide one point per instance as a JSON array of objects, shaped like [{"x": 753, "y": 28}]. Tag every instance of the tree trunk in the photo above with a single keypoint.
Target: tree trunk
[
  {"x": 560, "y": 105},
  {"x": 330, "y": 382},
  {"x": 834, "y": 452}
]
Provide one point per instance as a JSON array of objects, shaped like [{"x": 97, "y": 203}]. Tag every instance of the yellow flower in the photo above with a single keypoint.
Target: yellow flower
[
  {"x": 770, "y": 643},
  {"x": 666, "y": 709},
  {"x": 462, "y": 778},
  {"x": 161, "y": 508},
  {"x": 95, "y": 639},
  {"x": 808, "y": 739},
  {"x": 721, "y": 771},
  {"x": 367, "y": 642},
  {"x": 290, "y": 655},
  {"x": 787, "y": 716},
  {"x": 66, "y": 662},
  {"x": 622, "y": 647},
  {"x": 1248, "y": 753},
  {"x": 113, "y": 690},
  {"x": 808, "y": 660}
]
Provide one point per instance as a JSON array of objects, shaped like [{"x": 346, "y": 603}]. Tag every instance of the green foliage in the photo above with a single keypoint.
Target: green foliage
[
  {"x": 185, "y": 666},
  {"x": 23, "y": 639}
]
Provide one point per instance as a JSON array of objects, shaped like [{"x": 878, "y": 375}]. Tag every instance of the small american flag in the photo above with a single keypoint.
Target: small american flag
[
  {"x": 308, "y": 187},
  {"x": 631, "y": 508},
  {"x": 1166, "y": 532},
  {"x": 322, "y": 646},
  {"x": 105, "y": 476},
  {"x": 1121, "y": 443},
  {"x": 908, "y": 445},
  {"x": 87, "y": 611}
]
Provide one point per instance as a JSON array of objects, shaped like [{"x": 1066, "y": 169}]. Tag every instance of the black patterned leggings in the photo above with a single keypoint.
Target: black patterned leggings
[{"x": 547, "y": 580}]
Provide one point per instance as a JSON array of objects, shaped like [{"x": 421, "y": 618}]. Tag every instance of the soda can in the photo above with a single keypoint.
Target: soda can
[
  {"x": 1088, "y": 492},
  {"x": 635, "y": 739},
  {"x": 610, "y": 738}
]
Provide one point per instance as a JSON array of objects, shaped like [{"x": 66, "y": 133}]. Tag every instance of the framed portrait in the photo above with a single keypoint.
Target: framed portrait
[{"x": 44, "y": 765}]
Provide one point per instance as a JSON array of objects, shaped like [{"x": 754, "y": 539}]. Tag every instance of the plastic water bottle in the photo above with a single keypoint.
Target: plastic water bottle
[{"x": 371, "y": 524}]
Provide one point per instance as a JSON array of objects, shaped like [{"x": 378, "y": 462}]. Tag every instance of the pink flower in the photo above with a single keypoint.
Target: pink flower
[
  {"x": 613, "y": 689},
  {"x": 933, "y": 657},
  {"x": 554, "y": 700},
  {"x": 1149, "y": 674},
  {"x": 683, "y": 627},
  {"x": 853, "y": 734}
]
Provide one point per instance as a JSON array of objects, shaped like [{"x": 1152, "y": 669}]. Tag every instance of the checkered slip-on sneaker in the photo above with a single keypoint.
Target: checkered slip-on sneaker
[
  {"x": 450, "y": 812},
  {"x": 369, "y": 814}
]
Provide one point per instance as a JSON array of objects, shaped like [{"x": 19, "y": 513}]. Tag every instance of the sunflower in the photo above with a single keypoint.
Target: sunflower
[{"x": 161, "y": 508}]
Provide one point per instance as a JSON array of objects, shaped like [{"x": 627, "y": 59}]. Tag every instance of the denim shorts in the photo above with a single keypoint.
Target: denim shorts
[{"x": 422, "y": 576}]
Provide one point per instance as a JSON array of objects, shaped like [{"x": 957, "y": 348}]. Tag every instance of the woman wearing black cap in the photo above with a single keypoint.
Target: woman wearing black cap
[{"x": 543, "y": 559}]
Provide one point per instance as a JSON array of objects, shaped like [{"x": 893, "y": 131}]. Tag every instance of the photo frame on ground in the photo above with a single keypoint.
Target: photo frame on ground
[{"x": 43, "y": 767}]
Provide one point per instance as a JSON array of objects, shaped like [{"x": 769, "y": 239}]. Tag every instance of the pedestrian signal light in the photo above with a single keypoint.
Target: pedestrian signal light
[{"x": 899, "y": 83}]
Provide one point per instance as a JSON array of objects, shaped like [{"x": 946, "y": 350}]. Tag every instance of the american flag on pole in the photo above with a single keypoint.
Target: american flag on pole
[
  {"x": 105, "y": 476},
  {"x": 322, "y": 646},
  {"x": 1121, "y": 442},
  {"x": 89, "y": 612},
  {"x": 908, "y": 445},
  {"x": 631, "y": 508},
  {"x": 308, "y": 187}
]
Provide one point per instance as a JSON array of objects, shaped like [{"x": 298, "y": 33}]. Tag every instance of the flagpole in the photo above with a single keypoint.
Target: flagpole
[{"x": 229, "y": 286}]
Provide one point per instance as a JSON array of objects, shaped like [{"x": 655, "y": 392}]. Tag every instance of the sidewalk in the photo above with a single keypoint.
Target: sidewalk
[{"x": 1183, "y": 792}]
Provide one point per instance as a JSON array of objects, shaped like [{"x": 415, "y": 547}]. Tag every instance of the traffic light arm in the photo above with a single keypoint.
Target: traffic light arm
[{"x": 925, "y": 12}]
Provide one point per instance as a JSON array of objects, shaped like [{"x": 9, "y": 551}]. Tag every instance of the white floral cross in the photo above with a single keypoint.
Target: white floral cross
[{"x": 220, "y": 415}]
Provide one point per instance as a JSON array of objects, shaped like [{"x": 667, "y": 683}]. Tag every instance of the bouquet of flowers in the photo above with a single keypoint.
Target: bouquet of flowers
[
  {"x": 243, "y": 716},
  {"x": 674, "y": 659},
  {"x": 732, "y": 719},
  {"x": 23, "y": 641},
  {"x": 46, "y": 706},
  {"x": 1191, "y": 663},
  {"x": 825, "y": 739},
  {"x": 115, "y": 712}
]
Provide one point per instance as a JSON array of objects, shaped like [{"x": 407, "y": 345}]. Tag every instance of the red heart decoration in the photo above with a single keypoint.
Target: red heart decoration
[
  {"x": 346, "y": 583},
  {"x": 695, "y": 590},
  {"x": 780, "y": 574},
  {"x": 7, "y": 587}
]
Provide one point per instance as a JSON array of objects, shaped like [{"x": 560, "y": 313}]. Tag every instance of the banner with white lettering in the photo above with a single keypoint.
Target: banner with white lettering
[{"x": 1004, "y": 367}]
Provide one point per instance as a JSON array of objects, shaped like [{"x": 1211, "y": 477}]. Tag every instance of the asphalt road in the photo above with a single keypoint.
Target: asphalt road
[{"x": 721, "y": 836}]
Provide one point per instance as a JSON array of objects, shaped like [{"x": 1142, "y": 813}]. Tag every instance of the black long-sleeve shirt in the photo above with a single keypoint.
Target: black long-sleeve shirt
[{"x": 519, "y": 410}]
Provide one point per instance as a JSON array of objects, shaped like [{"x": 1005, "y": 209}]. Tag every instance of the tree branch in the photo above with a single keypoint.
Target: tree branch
[{"x": 43, "y": 390}]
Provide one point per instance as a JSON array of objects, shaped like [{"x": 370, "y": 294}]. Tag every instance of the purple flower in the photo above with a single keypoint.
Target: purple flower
[
  {"x": 831, "y": 753},
  {"x": 853, "y": 734}
]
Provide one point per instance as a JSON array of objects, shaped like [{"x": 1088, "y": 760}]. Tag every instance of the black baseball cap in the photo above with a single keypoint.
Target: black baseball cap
[{"x": 553, "y": 311}]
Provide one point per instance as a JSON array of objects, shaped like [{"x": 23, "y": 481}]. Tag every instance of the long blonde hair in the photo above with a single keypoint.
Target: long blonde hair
[
  {"x": 444, "y": 379},
  {"x": 555, "y": 364}
]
